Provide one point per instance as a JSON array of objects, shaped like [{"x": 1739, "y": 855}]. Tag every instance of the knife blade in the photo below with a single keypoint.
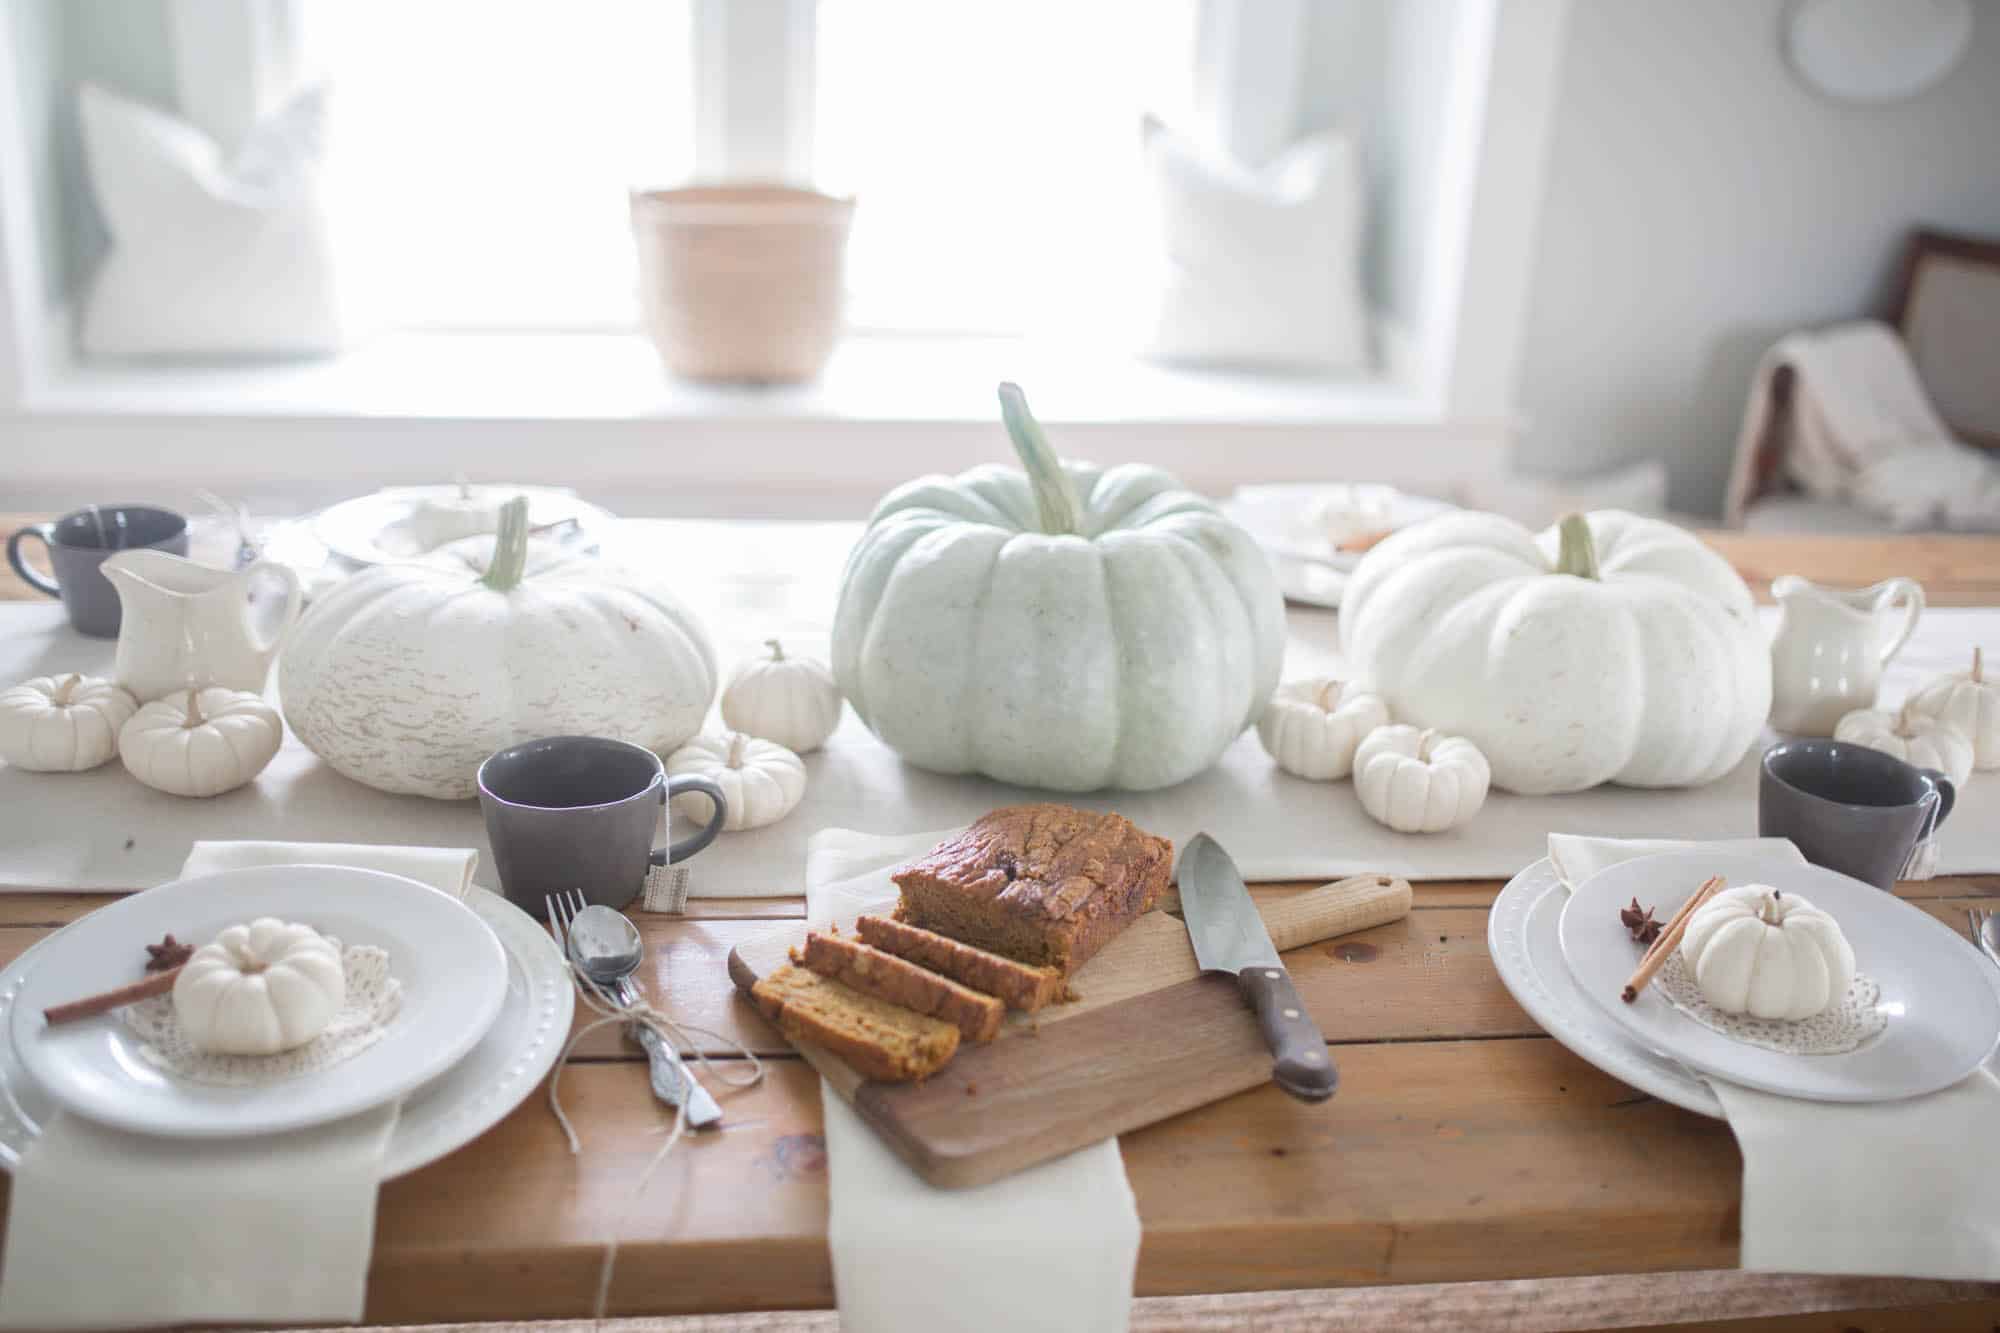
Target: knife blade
[{"x": 1229, "y": 936}]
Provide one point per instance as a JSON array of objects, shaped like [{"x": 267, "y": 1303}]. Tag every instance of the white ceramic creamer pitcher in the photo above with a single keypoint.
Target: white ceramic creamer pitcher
[
  {"x": 1831, "y": 646},
  {"x": 185, "y": 623}
]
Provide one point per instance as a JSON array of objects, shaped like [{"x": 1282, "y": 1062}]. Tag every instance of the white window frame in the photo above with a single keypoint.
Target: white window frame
[{"x": 64, "y": 426}]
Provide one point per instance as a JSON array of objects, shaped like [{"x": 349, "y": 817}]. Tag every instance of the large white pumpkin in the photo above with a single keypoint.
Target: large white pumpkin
[
  {"x": 1071, "y": 628},
  {"x": 406, "y": 676},
  {"x": 1612, "y": 648}
]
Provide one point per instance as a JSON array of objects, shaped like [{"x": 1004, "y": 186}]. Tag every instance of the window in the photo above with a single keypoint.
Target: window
[{"x": 481, "y": 151}]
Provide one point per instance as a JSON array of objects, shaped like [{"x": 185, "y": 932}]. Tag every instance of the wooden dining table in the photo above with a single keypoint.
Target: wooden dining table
[{"x": 1470, "y": 1163}]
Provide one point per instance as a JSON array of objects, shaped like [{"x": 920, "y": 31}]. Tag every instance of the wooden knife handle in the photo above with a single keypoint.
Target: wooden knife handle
[
  {"x": 1301, "y": 1064},
  {"x": 1341, "y": 908}
]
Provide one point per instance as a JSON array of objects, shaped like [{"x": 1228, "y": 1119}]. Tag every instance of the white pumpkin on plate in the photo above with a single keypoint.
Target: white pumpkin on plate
[
  {"x": 1069, "y": 628},
  {"x": 1418, "y": 781},
  {"x": 201, "y": 742},
  {"x": 783, "y": 698},
  {"x": 406, "y": 676},
  {"x": 1969, "y": 703},
  {"x": 761, "y": 780},
  {"x": 1927, "y": 742},
  {"x": 1756, "y": 950},
  {"x": 1312, "y": 726},
  {"x": 1611, "y": 648},
  {"x": 259, "y": 988},
  {"x": 62, "y": 724}
]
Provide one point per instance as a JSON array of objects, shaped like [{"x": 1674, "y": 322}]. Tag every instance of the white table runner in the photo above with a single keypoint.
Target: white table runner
[{"x": 104, "y": 829}]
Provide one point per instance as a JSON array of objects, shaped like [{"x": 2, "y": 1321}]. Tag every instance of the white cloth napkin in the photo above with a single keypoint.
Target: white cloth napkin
[
  {"x": 1576, "y": 857},
  {"x": 446, "y": 868},
  {"x": 911, "y": 1258},
  {"x": 1875, "y": 1190},
  {"x": 108, "y": 1228}
]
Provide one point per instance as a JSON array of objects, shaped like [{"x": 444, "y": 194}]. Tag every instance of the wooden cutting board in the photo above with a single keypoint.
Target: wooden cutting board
[{"x": 1147, "y": 1038}]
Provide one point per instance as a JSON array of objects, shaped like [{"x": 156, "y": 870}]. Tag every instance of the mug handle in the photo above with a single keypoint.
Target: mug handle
[
  {"x": 294, "y": 599},
  {"x": 1911, "y": 594},
  {"x": 1943, "y": 796},
  {"x": 29, "y": 575},
  {"x": 694, "y": 842}
]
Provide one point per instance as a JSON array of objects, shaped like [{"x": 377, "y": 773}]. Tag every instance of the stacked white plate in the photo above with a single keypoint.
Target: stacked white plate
[
  {"x": 1565, "y": 957},
  {"x": 486, "y": 1006}
]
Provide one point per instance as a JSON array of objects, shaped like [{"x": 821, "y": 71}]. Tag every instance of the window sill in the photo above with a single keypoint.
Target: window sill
[{"x": 412, "y": 407}]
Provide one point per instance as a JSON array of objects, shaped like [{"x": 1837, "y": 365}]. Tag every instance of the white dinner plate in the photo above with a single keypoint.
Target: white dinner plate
[
  {"x": 373, "y": 529},
  {"x": 1311, "y": 569},
  {"x": 450, "y": 964},
  {"x": 1522, "y": 936},
  {"x": 1944, "y": 1016},
  {"x": 439, "y": 1118}
]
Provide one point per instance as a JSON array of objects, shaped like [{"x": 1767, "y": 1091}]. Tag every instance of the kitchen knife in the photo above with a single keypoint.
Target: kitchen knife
[{"x": 1229, "y": 936}]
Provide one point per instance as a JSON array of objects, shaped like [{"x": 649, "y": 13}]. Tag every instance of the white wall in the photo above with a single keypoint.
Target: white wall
[{"x": 1700, "y": 203}]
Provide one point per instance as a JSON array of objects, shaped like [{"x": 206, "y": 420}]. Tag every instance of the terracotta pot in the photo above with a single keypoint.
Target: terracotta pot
[{"x": 742, "y": 282}]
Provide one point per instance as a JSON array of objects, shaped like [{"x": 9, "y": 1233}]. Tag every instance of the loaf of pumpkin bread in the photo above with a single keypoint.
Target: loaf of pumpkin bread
[
  {"x": 1047, "y": 885},
  {"x": 1016, "y": 984},
  {"x": 887, "y": 977},
  {"x": 882, "y": 1041}
]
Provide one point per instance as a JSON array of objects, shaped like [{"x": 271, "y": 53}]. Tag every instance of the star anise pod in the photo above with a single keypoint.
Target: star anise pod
[
  {"x": 169, "y": 953},
  {"x": 1639, "y": 920}
]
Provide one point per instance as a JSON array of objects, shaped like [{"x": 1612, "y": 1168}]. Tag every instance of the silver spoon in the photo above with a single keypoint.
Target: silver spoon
[{"x": 606, "y": 947}]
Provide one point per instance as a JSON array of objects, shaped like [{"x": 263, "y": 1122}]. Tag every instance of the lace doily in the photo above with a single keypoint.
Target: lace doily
[
  {"x": 373, "y": 999},
  {"x": 1857, "y": 1018}
]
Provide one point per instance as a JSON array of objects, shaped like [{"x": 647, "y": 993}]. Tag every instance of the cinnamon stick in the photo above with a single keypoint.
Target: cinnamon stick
[
  {"x": 1670, "y": 939},
  {"x": 158, "y": 983}
]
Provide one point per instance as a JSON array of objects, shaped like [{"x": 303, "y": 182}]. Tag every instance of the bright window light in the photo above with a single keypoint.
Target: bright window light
[
  {"x": 994, "y": 150},
  {"x": 481, "y": 151}
]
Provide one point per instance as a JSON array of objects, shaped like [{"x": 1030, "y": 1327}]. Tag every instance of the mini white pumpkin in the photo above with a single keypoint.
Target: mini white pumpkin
[
  {"x": 201, "y": 742},
  {"x": 1759, "y": 951},
  {"x": 1418, "y": 781},
  {"x": 1970, "y": 704},
  {"x": 1926, "y": 742},
  {"x": 259, "y": 988},
  {"x": 790, "y": 700},
  {"x": 1312, "y": 726},
  {"x": 62, "y": 724},
  {"x": 761, "y": 780}
]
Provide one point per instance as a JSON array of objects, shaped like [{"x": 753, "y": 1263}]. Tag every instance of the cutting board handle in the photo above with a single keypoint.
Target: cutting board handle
[{"x": 1340, "y": 908}]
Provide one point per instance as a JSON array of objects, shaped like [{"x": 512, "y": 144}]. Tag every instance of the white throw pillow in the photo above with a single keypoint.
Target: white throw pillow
[
  {"x": 1262, "y": 266},
  {"x": 210, "y": 256}
]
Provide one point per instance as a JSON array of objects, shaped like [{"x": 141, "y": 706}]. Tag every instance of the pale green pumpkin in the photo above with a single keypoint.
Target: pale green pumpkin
[{"x": 1072, "y": 628}]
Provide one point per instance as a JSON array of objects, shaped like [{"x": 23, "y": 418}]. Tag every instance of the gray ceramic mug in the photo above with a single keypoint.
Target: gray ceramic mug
[
  {"x": 1849, "y": 808},
  {"x": 78, "y": 544},
  {"x": 579, "y": 812}
]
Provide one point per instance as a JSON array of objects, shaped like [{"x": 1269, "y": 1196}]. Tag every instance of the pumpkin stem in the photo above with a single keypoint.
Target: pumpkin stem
[
  {"x": 194, "y": 717},
  {"x": 510, "y": 547},
  {"x": 1329, "y": 696},
  {"x": 63, "y": 691},
  {"x": 736, "y": 740},
  {"x": 1766, "y": 908},
  {"x": 1424, "y": 743},
  {"x": 1055, "y": 495},
  {"x": 1576, "y": 553},
  {"x": 1978, "y": 664},
  {"x": 777, "y": 650}
]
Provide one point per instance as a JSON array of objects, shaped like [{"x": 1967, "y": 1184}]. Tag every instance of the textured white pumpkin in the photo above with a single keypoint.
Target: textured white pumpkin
[
  {"x": 790, "y": 700},
  {"x": 405, "y": 677},
  {"x": 761, "y": 780},
  {"x": 1069, "y": 628},
  {"x": 1611, "y": 648},
  {"x": 1927, "y": 742},
  {"x": 62, "y": 724},
  {"x": 1312, "y": 726},
  {"x": 259, "y": 988},
  {"x": 1967, "y": 702},
  {"x": 201, "y": 742},
  {"x": 1418, "y": 781},
  {"x": 1755, "y": 950}
]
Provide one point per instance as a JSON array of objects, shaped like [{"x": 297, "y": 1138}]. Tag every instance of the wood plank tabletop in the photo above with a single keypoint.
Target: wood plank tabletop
[{"x": 1464, "y": 1145}]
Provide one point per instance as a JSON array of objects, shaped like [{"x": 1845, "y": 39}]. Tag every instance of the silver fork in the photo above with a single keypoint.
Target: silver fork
[{"x": 1981, "y": 938}]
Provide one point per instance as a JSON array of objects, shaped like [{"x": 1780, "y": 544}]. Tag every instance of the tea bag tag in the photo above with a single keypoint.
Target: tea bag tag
[{"x": 666, "y": 890}]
